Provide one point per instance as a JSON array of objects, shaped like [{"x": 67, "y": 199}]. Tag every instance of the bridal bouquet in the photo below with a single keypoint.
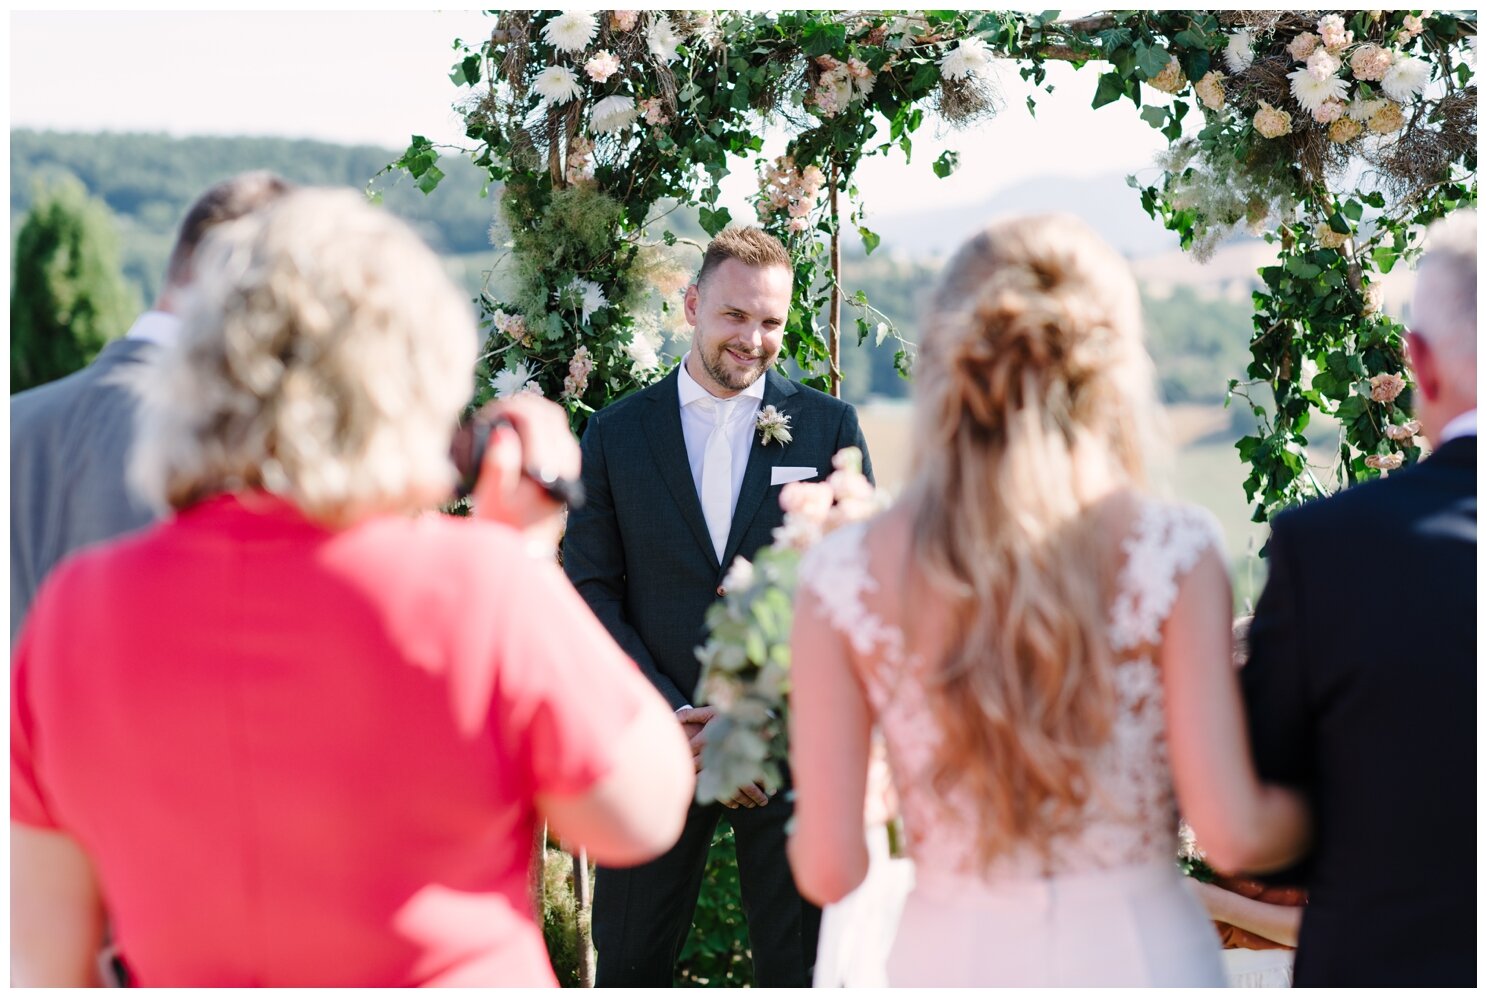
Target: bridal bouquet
[{"x": 746, "y": 660}]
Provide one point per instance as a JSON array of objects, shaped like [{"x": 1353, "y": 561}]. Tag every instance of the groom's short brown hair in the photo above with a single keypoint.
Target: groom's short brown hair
[{"x": 746, "y": 244}]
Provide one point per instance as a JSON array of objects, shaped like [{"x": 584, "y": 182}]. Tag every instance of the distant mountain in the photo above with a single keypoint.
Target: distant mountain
[{"x": 1106, "y": 202}]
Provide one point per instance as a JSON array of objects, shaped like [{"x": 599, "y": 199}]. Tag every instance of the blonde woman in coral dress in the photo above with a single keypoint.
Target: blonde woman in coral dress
[{"x": 1043, "y": 644}]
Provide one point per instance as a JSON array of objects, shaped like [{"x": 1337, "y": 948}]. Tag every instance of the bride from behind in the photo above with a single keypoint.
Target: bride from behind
[{"x": 1043, "y": 644}]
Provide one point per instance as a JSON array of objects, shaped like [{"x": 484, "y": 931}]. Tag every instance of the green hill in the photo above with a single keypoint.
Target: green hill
[{"x": 147, "y": 181}]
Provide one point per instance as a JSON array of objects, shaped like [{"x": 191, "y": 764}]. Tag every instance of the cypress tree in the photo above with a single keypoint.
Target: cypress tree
[{"x": 68, "y": 295}]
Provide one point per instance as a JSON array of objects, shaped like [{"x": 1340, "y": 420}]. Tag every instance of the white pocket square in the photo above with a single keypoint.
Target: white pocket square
[{"x": 779, "y": 476}]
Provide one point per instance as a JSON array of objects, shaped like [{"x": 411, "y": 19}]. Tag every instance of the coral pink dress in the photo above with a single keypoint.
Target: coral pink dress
[{"x": 299, "y": 756}]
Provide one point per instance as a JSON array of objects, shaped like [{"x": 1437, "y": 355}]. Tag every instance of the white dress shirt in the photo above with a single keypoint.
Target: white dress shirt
[
  {"x": 160, "y": 328},
  {"x": 698, "y": 420}
]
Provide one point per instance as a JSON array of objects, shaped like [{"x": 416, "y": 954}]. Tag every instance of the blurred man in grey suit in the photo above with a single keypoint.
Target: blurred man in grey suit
[
  {"x": 680, "y": 481},
  {"x": 70, "y": 439}
]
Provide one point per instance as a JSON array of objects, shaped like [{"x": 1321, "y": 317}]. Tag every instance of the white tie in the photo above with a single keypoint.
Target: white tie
[{"x": 717, "y": 477}]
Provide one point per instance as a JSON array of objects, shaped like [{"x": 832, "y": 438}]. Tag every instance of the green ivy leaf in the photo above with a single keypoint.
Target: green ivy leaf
[
  {"x": 712, "y": 220},
  {"x": 1111, "y": 88},
  {"x": 870, "y": 239},
  {"x": 1156, "y": 117},
  {"x": 430, "y": 179},
  {"x": 946, "y": 164}
]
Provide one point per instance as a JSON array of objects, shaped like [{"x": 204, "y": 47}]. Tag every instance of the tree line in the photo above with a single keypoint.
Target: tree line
[{"x": 133, "y": 189}]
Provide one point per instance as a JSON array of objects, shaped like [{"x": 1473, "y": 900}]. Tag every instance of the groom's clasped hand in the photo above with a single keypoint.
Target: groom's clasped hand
[{"x": 695, "y": 722}]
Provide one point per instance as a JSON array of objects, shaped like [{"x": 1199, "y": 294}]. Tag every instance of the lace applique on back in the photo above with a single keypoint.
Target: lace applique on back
[{"x": 1130, "y": 816}]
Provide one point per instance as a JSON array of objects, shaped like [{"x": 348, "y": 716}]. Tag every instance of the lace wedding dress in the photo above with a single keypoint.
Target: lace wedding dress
[{"x": 1109, "y": 907}]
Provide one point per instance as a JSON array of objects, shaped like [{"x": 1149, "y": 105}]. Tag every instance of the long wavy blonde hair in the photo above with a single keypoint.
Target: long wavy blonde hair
[{"x": 1033, "y": 399}]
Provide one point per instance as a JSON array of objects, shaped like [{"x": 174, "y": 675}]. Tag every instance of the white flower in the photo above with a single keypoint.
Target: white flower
[
  {"x": 511, "y": 381},
  {"x": 1240, "y": 52},
  {"x": 1311, "y": 93},
  {"x": 556, "y": 85},
  {"x": 585, "y": 296},
  {"x": 740, "y": 575},
  {"x": 1361, "y": 110},
  {"x": 613, "y": 113},
  {"x": 642, "y": 351},
  {"x": 572, "y": 31},
  {"x": 662, "y": 40},
  {"x": 970, "y": 58},
  {"x": 773, "y": 425},
  {"x": 1406, "y": 78}
]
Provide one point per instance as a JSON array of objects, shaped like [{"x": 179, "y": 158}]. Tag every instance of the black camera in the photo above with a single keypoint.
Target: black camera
[{"x": 468, "y": 453}]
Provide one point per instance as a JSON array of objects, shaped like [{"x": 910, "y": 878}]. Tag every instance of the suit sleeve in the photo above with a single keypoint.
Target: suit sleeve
[
  {"x": 850, "y": 435},
  {"x": 1274, "y": 678},
  {"x": 594, "y": 558}
]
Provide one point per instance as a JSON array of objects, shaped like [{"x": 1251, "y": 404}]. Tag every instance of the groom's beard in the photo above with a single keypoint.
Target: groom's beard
[{"x": 726, "y": 371}]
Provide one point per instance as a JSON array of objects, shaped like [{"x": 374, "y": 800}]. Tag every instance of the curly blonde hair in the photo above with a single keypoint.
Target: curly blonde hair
[
  {"x": 1033, "y": 396},
  {"x": 325, "y": 357}
]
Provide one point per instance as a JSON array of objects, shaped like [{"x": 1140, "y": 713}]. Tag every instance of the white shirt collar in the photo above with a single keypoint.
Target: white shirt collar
[
  {"x": 160, "y": 328},
  {"x": 689, "y": 391},
  {"x": 1464, "y": 425}
]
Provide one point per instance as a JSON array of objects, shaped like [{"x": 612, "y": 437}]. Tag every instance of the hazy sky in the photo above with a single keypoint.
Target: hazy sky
[{"x": 379, "y": 77}]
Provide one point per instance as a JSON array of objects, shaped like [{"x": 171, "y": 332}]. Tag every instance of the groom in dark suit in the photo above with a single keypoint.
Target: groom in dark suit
[
  {"x": 1361, "y": 686},
  {"x": 679, "y": 481}
]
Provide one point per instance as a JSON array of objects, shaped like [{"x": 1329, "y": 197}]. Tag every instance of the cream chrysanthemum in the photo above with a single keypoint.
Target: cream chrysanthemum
[
  {"x": 1272, "y": 122},
  {"x": 1406, "y": 78},
  {"x": 612, "y": 114},
  {"x": 587, "y": 297},
  {"x": 571, "y": 31},
  {"x": 970, "y": 58},
  {"x": 556, "y": 85},
  {"x": 1239, "y": 54},
  {"x": 1311, "y": 93}
]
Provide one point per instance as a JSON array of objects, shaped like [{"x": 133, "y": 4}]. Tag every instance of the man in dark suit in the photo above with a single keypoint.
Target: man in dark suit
[
  {"x": 680, "y": 481},
  {"x": 1361, "y": 686},
  {"x": 70, "y": 439}
]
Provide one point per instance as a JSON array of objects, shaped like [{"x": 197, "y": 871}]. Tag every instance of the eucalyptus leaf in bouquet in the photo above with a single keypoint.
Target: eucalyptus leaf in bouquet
[{"x": 746, "y": 658}]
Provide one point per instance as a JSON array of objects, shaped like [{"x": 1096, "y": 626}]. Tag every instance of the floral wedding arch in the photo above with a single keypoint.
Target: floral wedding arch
[{"x": 1336, "y": 135}]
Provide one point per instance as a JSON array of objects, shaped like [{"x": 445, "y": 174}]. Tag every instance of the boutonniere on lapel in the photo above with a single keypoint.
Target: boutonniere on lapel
[{"x": 773, "y": 425}]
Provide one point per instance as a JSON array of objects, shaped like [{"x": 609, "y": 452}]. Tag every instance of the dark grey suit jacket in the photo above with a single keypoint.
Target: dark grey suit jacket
[
  {"x": 639, "y": 551},
  {"x": 69, "y": 443}
]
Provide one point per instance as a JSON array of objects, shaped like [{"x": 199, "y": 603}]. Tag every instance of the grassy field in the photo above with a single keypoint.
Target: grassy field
[{"x": 1206, "y": 471}]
